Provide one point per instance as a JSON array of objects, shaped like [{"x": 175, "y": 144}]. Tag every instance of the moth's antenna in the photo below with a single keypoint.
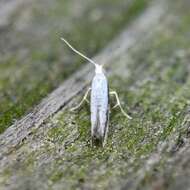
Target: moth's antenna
[{"x": 76, "y": 51}]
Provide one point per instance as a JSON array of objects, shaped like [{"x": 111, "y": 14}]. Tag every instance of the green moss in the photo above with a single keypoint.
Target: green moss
[
  {"x": 25, "y": 78},
  {"x": 157, "y": 105},
  {"x": 56, "y": 176},
  {"x": 155, "y": 91}
]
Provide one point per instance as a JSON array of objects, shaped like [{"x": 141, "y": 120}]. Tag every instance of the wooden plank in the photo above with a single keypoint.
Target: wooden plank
[{"x": 59, "y": 98}]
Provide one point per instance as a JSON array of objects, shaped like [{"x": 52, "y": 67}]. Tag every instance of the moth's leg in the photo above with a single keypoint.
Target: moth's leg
[
  {"x": 119, "y": 104},
  {"x": 82, "y": 101}
]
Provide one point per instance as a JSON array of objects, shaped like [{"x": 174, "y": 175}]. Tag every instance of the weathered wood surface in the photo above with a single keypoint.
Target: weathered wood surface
[
  {"x": 149, "y": 65},
  {"x": 33, "y": 60},
  {"x": 7, "y": 8},
  {"x": 77, "y": 82}
]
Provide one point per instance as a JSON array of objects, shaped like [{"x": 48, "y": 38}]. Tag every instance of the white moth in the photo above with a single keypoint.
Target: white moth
[{"x": 99, "y": 104}]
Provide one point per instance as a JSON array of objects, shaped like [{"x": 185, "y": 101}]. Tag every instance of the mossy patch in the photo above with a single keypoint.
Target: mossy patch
[
  {"x": 155, "y": 91},
  {"x": 36, "y": 61}
]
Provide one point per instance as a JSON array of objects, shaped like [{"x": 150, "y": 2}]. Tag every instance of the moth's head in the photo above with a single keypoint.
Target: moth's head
[{"x": 98, "y": 69}]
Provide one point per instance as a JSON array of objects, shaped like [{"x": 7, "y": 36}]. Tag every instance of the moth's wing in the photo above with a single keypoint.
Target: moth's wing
[
  {"x": 99, "y": 106},
  {"x": 94, "y": 116},
  {"x": 106, "y": 129},
  {"x": 104, "y": 117}
]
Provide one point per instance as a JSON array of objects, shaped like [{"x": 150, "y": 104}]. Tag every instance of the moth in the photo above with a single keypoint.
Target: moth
[{"x": 99, "y": 101}]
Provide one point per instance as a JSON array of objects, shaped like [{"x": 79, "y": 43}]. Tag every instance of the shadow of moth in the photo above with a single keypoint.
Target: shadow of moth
[{"x": 99, "y": 101}]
